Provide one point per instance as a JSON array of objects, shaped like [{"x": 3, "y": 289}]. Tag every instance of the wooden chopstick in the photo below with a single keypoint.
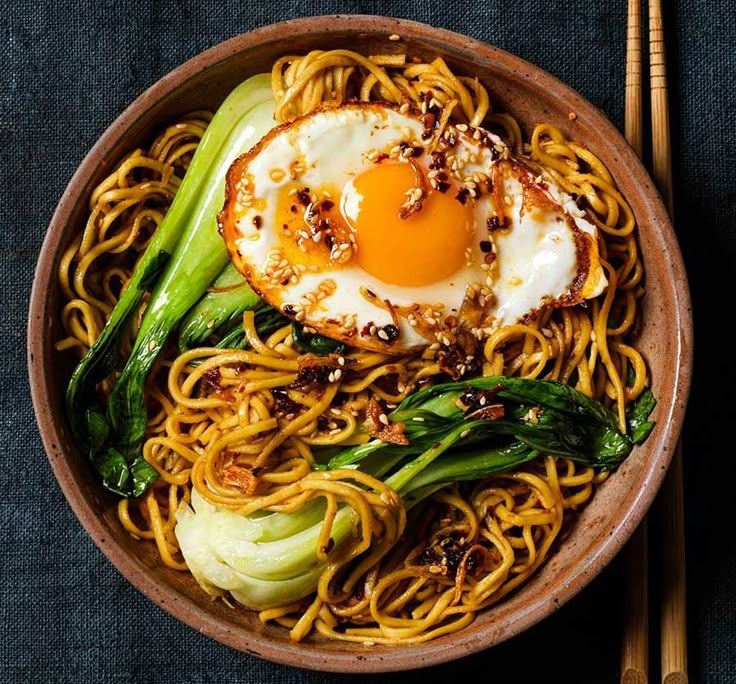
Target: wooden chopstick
[
  {"x": 673, "y": 624},
  {"x": 661, "y": 158},
  {"x": 633, "y": 127},
  {"x": 635, "y": 641}
]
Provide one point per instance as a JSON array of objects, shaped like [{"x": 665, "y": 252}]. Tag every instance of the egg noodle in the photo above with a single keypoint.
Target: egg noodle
[{"x": 228, "y": 424}]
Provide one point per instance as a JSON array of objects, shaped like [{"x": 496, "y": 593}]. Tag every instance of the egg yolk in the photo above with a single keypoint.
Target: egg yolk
[{"x": 423, "y": 248}]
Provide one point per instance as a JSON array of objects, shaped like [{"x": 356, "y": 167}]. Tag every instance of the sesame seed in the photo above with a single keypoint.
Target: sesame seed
[
  {"x": 331, "y": 376},
  {"x": 462, "y": 127},
  {"x": 394, "y": 37},
  {"x": 383, "y": 418},
  {"x": 338, "y": 374},
  {"x": 418, "y": 419},
  {"x": 383, "y": 334}
]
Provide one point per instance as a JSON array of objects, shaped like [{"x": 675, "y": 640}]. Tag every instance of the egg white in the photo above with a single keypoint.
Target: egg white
[{"x": 537, "y": 254}]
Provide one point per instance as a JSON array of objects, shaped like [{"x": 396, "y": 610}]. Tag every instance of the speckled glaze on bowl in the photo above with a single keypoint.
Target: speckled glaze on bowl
[{"x": 532, "y": 96}]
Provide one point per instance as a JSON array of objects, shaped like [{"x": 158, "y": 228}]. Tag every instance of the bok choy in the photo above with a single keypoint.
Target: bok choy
[
  {"x": 225, "y": 300},
  {"x": 183, "y": 258},
  {"x": 456, "y": 432}
]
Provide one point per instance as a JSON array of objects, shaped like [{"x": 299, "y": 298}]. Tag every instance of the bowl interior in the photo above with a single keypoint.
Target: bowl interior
[{"x": 515, "y": 86}]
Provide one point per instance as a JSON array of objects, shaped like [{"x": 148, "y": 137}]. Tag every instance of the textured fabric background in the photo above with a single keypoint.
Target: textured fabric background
[{"x": 68, "y": 69}]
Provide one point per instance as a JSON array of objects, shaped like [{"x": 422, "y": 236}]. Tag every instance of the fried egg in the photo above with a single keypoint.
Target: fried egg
[{"x": 370, "y": 226}]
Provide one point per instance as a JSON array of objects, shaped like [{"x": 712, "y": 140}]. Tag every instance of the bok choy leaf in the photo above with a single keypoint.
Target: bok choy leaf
[
  {"x": 451, "y": 439},
  {"x": 184, "y": 256}
]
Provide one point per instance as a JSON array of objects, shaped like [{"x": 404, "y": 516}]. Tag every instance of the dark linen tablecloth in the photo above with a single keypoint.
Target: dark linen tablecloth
[{"x": 67, "y": 69}]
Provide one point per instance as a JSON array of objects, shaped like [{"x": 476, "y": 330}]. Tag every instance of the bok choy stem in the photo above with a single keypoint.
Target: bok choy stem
[
  {"x": 225, "y": 300},
  {"x": 449, "y": 441},
  {"x": 199, "y": 256},
  {"x": 184, "y": 256}
]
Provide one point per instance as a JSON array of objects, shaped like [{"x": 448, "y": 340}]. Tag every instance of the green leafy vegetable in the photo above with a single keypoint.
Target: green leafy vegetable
[
  {"x": 473, "y": 464},
  {"x": 262, "y": 560},
  {"x": 184, "y": 256},
  {"x": 315, "y": 344},
  {"x": 449, "y": 441},
  {"x": 547, "y": 416},
  {"x": 226, "y": 299},
  {"x": 199, "y": 256},
  {"x": 637, "y": 414},
  {"x": 118, "y": 475}
]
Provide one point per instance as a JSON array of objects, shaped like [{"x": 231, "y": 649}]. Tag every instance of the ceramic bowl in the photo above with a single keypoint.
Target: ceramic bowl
[{"x": 515, "y": 86}]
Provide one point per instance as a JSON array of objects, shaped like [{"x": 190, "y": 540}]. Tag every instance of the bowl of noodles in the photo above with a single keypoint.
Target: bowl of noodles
[{"x": 377, "y": 478}]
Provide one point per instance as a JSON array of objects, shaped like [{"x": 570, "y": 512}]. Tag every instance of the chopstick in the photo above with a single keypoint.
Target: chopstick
[
  {"x": 673, "y": 625},
  {"x": 635, "y": 641},
  {"x": 673, "y": 622},
  {"x": 661, "y": 159},
  {"x": 633, "y": 129}
]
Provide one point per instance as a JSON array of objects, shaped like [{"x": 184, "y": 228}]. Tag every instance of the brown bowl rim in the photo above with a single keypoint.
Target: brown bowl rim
[{"x": 181, "y": 606}]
